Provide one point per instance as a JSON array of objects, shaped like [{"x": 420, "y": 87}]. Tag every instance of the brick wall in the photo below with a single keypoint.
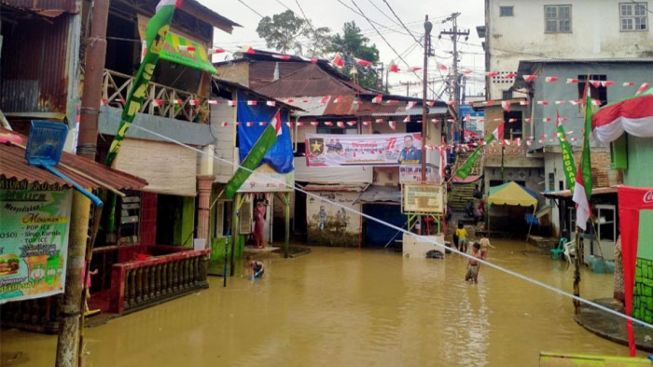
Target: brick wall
[
  {"x": 602, "y": 174},
  {"x": 643, "y": 293}
]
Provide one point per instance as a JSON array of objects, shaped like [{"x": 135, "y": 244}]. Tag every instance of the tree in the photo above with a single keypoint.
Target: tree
[
  {"x": 286, "y": 32},
  {"x": 353, "y": 44}
]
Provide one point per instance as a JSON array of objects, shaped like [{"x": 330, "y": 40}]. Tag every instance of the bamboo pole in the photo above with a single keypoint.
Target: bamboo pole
[{"x": 286, "y": 245}]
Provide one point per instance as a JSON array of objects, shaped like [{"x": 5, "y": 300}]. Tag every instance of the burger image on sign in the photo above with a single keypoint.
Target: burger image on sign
[{"x": 9, "y": 264}]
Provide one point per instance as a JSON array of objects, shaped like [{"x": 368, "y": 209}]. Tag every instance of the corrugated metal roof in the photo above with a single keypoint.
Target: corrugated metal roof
[
  {"x": 14, "y": 166},
  {"x": 380, "y": 194},
  {"x": 336, "y": 188},
  {"x": 310, "y": 80},
  {"x": 47, "y": 8},
  {"x": 34, "y": 77}
]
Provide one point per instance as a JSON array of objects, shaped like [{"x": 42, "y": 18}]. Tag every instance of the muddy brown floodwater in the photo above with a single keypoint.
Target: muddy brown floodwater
[{"x": 340, "y": 307}]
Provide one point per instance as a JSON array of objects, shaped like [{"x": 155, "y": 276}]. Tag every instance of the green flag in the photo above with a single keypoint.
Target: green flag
[
  {"x": 568, "y": 164},
  {"x": 466, "y": 168},
  {"x": 155, "y": 36},
  {"x": 255, "y": 156}
]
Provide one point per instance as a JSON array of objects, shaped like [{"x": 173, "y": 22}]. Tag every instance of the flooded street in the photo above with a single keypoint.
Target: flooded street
[{"x": 340, "y": 307}]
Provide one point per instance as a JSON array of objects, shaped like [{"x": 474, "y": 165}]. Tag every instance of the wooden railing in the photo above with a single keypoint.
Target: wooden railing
[
  {"x": 160, "y": 100},
  {"x": 139, "y": 284}
]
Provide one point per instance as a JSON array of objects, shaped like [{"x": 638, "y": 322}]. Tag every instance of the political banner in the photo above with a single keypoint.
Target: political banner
[
  {"x": 33, "y": 240},
  {"x": 412, "y": 173},
  {"x": 336, "y": 150},
  {"x": 266, "y": 179}
]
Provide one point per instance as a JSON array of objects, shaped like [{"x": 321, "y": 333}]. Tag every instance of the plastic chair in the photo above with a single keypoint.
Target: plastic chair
[
  {"x": 558, "y": 251},
  {"x": 569, "y": 250}
]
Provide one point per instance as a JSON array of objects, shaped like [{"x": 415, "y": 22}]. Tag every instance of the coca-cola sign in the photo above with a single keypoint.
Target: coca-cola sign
[{"x": 648, "y": 197}]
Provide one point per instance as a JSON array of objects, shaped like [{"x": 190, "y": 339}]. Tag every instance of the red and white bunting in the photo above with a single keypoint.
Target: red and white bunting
[
  {"x": 351, "y": 123},
  {"x": 194, "y": 102},
  {"x": 324, "y": 99},
  {"x": 546, "y": 119},
  {"x": 530, "y": 77},
  {"x": 560, "y": 102},
  {"x": 290, "y": 100},
  {"x": 393, "y": 68},
  {"x": 309, "y": 59},
  {"x": 338, "y": 61},
  {"x": 436, "y": 121},
  {"x": 366, "y": 123},
  {"x": 377, "y": 99},
  {"x": 543, "y": 102},
  {"x": 328, "y": 123},
  {"x": 406, "y": 119},
  {"x": 289, "y": 124},
  {"x": 300, "y": 123},
  {"x": 361, "y": 62},
  {"x": 158, "y": 102},
  {"x": 642, "y": 88},
  {"x": 467, "y": 71},
  {"x": 216, "y": 50},
  {"x": 340, "y": 124},
  {"x": 392, "y": 124},
  {"x": 607, "y": 83},
  {"x": 491, "y": 74},
  {"x": 523, "y": 103},
  {"x": 505, "y": 105},
  {"x": 338, "y": 99},
  {"x": 251, "y": 102},
  {"x": 378, "y": 121},
  {"x": 248, "y": 50},
  {"x": 225, "y": 124},
  {"x": 410, "y": 105},
  {"x": 213, "y": 101},
  {"x": 510, "y": 75},
  {"x": 178, "y": 101},
  {"x": 595, "y": 83},
  {"x": 596, "y": 102},
  {"x": 249, "y": 124},
  {"x": 512, "y": 120},
  {"x": 450, "y": 102},
  {"x": 392, "y": 102},
  {"x": 237, "y": 123},
  {"x": 282, "y": 57},
  {"x": 443, "y": 67},
  {"x": 186, "y": 48},
  {"x": 575, "y": 102},
  {"x": 551, "y": 79},
  {"x": 572, "y": 81},
  {"x": 262, "y": 123},
  {"x": 356, "y": 101},
  {"x": 527, "y": 120},
  {"x": 314, "y": 123},
  {"x": 451, "y": 121},
  {"x": 231, "y": 103},
  {"x": 628, "y": 84},
  {"x": 271, "y": 103},
  {"x": 430, "y": 103},
  {"x": 467, "y": 118},
  {"x": 413, "y": 69}
]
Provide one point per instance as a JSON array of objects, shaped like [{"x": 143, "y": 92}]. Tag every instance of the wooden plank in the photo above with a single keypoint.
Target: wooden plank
[
  {"x": 126, "y": 220},
  {"x": 131, "y": 206},
  {"x": 131, "y": 199}
]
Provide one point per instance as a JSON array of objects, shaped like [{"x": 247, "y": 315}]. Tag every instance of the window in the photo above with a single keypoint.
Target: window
[
  {"x": 506, "y": 11},
  {"x": 597, "y": 91},
  {"x": 557, "y": 18},
  {"x": 552, "y": 181},
  {"x": 513, "y": 124},
  {"x": 633, "y": 16},
  {"x": 506, "y": 94}
]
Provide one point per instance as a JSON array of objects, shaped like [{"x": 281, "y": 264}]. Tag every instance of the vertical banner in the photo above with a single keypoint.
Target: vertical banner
[
  {"x": 155, "y": 36},
  {"x": 568, "y": 164},
  {"x": 33, "y": 240}
]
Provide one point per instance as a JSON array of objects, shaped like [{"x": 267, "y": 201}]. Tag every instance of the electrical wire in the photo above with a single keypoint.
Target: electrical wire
[
  {"x": 426, "y": 239},
  {"x": 250, "y": 8},
  {"x": 384, "y": 14}
]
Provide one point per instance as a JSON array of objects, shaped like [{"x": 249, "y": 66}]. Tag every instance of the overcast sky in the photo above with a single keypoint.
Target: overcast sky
[{"x": 332, "y": 14}]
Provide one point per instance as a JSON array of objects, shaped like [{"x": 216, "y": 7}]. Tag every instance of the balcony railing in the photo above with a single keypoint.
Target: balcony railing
[
  {"x": 138, "y": 284},
  {"x": 160, "y": 100}
]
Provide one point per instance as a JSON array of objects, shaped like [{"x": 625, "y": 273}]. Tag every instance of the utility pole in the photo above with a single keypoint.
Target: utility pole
[
  {"x": 428, "y": 27},
  {"x": 455, "y": 34},
  {"x": 69, "y": 343}
]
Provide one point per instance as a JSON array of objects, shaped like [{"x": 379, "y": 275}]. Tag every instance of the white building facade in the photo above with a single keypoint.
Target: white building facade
[{"x": 569, "y": 29}]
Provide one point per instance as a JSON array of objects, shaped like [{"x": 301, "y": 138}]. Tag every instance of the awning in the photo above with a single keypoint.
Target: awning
[
  {"x": 380, "y": 194},
  {"x": 567, "y": 194},
  {"x": 195, "y": 56},
  {"x": 336, "y": 188},
  {"x": 511, "y": 193},
  {"x": 86, "y": 172}
]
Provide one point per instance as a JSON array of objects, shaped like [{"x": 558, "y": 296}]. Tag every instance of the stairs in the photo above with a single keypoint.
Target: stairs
[{"x": 459, "y": 196}]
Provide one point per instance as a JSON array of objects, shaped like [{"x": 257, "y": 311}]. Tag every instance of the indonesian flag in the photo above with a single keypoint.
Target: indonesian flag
[
  {"x": 393, "y": 68},
  {"x": 583, "y": 187},
  {"x": 443, "y": 67},
  {"x": 276, "y": 122},
  {"x": 216, "y": 50},
  {"x": 467, "y": 71},
  {"x": 271, "y": 103},
  {"x": 413, "y": 69},
  {"x": 361, "y": 62},
  {"x": 572, "y": 81},
  {"x": 377, "y": 99},
  {"x": 410, "y": 105},
  {"x": 162, "y": 3},
  {"x": 634, "y": 116},
  {"x": 338, "y": 61},
  {"x": 492, "y": 74},
  {"x": 530, "y": 77},
  {"x": 392, "y": 124},
  {"x": 642, "y": 88},
  {"x": 551, "y": 79},
  {"x": 187, "y": 48},
  {"x": 505, "y": 105},
  {"x": 497, "y": 134}
]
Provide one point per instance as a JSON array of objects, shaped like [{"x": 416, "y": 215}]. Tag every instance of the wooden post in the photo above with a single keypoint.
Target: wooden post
[
  {"x": 71, "y": 312},
  {"x": 235, "y": 224},
  {"x": 286, "y": 244},
  {"x": 577, "y": 264}
]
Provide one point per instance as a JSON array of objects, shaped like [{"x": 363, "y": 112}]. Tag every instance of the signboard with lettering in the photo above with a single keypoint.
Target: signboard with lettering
[
  {"x": 266, "y": 179},
  {"x": 412, "y": 173},
  {"x": 336, "y": 150},
  {"x": 422, "y": 199},
  {"x": 33, "y": 239}
]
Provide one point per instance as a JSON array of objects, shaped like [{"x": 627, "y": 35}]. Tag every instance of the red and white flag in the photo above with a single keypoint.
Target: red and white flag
[
  {"x": 393, "y": 68},
  {"x": 551, "y": 79},
  {"x": 410, "y": 105},
  {"x": 642, "y": 88},
  {"x": 413, "y": 69},
  {"x": 338, "y": 61},
  {"x": 530, "y": 77},
  {"x": 282, "y": 57},
  {"x": 361, "y": 62},
  {"x": 377, "y": 99},
  {"x": 271, "y": 103},
  {"x": 505, "y": 105}
]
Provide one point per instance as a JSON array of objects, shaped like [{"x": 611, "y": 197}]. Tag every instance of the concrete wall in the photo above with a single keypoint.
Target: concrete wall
[
  {"x": 595, "y": 33},
  {"x": 236, "y": 72},
  {"x": 341, "y": 228},
  {"x": 225, "y": 140}
]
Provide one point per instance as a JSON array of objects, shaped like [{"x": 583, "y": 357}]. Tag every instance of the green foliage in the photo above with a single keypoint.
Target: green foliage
[
  {"x": 351, "y": 44},
  {"x": 286, "y": 32}
]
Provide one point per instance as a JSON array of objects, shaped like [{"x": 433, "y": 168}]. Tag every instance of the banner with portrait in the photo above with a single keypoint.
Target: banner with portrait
[{"x": 337, "y": 150}]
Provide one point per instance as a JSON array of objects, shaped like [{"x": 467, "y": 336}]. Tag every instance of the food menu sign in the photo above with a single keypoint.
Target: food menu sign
[
  {"x": 337, "y": 150},
  {"x": 422, "y": 199},
  {"x": 34, "y": 221}
]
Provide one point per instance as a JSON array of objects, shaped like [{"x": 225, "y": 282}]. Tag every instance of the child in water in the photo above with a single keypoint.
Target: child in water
[
  {"x": 257, "y": 267},
  {"x": 473, "y": 265},
  {"x": 485, "y": 246},
  {"x": 461, "y": 233}
]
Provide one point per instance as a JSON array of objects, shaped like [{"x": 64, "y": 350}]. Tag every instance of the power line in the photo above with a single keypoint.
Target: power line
[
  {"x": 250, "y": 8},
  {"x": 401, "y": 22},
  {"x": 382, "y": 12},
  {"x": 372, "y": 22},
  {"x": 284, "y": 5}
]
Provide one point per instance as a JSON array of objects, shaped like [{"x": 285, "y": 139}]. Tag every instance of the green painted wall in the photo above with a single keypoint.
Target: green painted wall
[
  {"x": 184, "y": 227},
  {"x": 640, "y": 155},
  {"x": 645, "y": 247}
]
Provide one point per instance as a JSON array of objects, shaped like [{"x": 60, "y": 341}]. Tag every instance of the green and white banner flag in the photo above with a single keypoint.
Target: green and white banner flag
[
  {"x": 155, "y": 36},
  {"x": 466, "y": 168},
  {"x": 255, "y": 156},
  {"x": 568, "y": 164}
]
